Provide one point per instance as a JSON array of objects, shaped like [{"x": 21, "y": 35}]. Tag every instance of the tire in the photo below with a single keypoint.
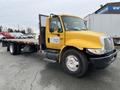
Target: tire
[
  {"x": 33, "y": 49},
  {"x": 13, "y": 49},
  {"x": 80, "y": 67},
  {"x": 8, "y": 48},
  {"x": 18, "y": 49}
]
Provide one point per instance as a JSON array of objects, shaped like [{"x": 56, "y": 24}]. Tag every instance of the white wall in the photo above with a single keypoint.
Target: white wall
[{"x": 106, "y": 23}]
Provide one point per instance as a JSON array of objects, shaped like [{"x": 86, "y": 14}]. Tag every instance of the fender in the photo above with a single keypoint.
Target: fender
[{"x": 80, "y": 45}]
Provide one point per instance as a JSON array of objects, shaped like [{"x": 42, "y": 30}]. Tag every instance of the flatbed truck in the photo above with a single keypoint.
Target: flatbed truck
[{"x": 66, "y": 40}]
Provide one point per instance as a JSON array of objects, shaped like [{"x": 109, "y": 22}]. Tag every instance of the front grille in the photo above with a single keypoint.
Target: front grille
[{"x": 109, "y": 46}]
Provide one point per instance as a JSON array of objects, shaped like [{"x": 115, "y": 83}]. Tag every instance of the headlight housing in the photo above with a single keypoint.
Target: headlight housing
[
  {"x": 107, "y": 46},
  {"x": 97, "y": 51}
]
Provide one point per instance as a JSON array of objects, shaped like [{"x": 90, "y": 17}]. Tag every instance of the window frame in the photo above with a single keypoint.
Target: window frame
[{"x": 59, "y": 22}]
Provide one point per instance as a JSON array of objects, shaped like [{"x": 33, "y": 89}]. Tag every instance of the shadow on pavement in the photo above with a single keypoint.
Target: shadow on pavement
[{"x": 94, "y": 79}]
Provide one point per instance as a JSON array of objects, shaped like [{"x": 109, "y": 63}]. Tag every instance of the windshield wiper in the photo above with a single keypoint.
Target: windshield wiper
[{"x": 73, "y": 29}]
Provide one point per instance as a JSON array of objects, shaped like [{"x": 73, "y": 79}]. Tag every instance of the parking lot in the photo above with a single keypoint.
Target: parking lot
[{"x": 31, "y": 72}]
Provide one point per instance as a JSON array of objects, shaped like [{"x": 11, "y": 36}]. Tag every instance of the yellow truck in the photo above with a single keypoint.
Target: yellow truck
[{"x": 66, "y": 40}]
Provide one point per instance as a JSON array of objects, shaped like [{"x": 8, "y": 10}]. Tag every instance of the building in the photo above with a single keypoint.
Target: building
[{"x": 109, "y": 8}]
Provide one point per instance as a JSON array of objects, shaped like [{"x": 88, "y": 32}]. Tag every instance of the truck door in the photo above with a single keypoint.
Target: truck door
[
  {"x": 56, "y": 34},
  {"x": 42, "y": 34}
]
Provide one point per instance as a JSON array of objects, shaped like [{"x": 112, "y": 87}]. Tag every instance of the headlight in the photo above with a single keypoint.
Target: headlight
[
  {"x": 107, "y": 46},
  {"x": 97, "y": 51}
]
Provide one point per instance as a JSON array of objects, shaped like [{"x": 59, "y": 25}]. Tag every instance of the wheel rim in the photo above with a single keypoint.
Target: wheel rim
[
  {"x": 72, "y": 63},
  {"x": 11, "y": 48}
]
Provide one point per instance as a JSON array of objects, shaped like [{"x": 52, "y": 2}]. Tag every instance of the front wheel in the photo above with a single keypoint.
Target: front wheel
[{"x": 74, "y": 62}]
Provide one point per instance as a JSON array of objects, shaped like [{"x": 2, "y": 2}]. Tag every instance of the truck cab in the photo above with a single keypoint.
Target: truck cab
[{"x": 66, "y": 39}]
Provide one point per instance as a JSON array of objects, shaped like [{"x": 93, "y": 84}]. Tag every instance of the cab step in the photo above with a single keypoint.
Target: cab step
[{"x": 51, "y": 54}]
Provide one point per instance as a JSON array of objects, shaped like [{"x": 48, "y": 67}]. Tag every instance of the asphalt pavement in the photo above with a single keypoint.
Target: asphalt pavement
[{"x": 32, "y": 72}]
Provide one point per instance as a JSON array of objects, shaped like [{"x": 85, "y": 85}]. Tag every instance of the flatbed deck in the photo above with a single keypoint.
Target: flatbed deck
[{"x": 23, "y": 41}]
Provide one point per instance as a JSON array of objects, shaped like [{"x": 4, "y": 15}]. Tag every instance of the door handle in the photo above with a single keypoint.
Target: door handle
[{"x": 58, "y": 34}]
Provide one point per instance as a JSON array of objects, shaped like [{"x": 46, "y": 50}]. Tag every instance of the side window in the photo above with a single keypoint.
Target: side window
[{"x": 55, "y": 25}]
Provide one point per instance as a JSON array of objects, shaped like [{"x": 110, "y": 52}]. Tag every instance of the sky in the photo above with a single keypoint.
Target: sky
[{"x": 24, "y": 13}]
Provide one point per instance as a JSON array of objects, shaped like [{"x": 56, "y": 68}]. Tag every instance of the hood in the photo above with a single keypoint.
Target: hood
[
  {"x": 86, "y": 34},
  {"x": 88, "y": 39}
]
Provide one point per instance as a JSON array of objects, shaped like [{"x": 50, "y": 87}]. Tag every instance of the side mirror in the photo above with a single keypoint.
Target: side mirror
[{"x": 59, "y": 30}]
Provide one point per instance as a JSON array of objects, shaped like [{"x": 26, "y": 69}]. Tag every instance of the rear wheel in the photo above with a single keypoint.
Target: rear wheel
[
  {"x": 33, "y": 49},
  {"x": 13, "y": 49},
  {"x": 74, "y": 62},
  {"x": 8, "y": 48},
  {"x": 18, "y": 49}
]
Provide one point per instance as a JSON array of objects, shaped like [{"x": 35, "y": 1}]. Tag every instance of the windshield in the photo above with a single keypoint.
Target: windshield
[{"x": 73, "y": 23}]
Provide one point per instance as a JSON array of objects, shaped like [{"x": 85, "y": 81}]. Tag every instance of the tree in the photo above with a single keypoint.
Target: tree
[
  {"x": 1, "y": 28},
  {"x": 29, "y": 30},
  {"x": 10, "y": 30},
  {"x": 23, "y": 31},
  {"x": 17, "y": 30}
]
